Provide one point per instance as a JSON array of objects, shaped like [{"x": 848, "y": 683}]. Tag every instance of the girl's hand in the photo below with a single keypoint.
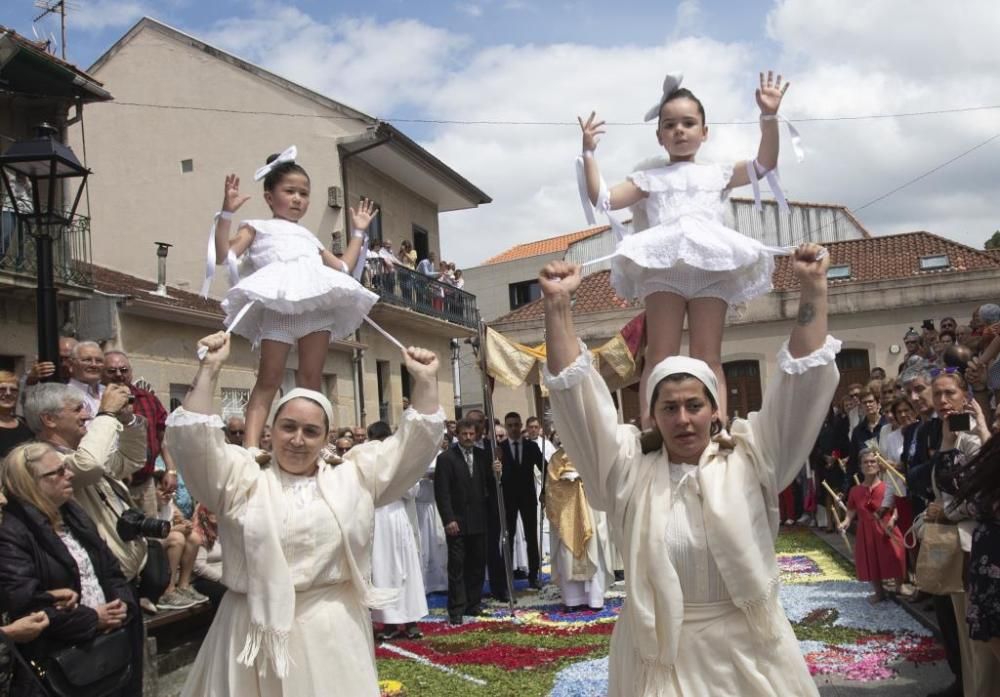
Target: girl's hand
[
  {"x": 361, "y": 218},
  {"x": 810, "y": 263},
  {"x": 559, "y": 278},
  {"x": 421, "y": 363},
  {"x": 592, "y": 131},
  {"x": 27, "y": 628},
  {"x": 770, "y": 92},
  {"x": 231, "y": 199},
  {"x": 218, "y": 349}
]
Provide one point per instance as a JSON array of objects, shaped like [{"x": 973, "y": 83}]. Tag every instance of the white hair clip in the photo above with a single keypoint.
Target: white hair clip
[
  {"x": 288, "y": 155},
  {"x": 671, "y": 83}
]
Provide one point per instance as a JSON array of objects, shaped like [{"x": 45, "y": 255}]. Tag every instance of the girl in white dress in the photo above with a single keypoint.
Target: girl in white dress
[
  {"x": 687, "y": 261},
  {"x": 302, "y": 294}
]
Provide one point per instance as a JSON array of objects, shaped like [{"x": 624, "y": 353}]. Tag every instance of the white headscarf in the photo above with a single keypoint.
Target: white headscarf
[
  {"x": 313, "y": 395},
  {"x": 682, "y": 364}
]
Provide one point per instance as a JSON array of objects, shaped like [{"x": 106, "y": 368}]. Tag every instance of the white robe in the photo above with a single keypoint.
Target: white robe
[
  {"x": 598, "y": 561},
  {"x": 332, "y": 632},
  {"x": 433, "y": 542},
  {"x": 663, "y": 645},
  {"x": 396, "y": 560}
]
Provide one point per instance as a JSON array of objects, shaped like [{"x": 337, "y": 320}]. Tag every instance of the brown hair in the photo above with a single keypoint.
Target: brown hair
[{"x": 20, "y": 479}]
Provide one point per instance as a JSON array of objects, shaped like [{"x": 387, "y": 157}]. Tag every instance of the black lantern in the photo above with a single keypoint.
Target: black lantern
[{"x": 39, "y": 177}]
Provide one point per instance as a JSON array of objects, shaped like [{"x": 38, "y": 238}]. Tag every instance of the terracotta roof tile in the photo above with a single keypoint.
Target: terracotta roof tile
[
  {"x": 546, "y": 246},
  {"x": 886, "y": 258},
  {"x": 118, "y": 283}
]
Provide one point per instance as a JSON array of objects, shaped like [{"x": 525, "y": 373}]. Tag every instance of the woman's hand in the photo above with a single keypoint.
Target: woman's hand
[
  {"x": 592, "y": 131},
  {"x": 27, "y": 628},
  {"x": 559, "y": 279},
  {"x": 810, "y": 263},
  {"x": 218, "y": 349},
  {"x": 770, "y": 92},
  {"x": 362, "y": 218},
  {"x": 111, "y": 615},
  {"x": 421, "y": 363},
  {"x": 65, "y": 598},
  {"x": 934, "y": 512},
  {"x": 231, "y": 198}
]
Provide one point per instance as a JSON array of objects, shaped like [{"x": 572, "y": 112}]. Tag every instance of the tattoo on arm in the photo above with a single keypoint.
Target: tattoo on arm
[{"x": 807, "y": 312}]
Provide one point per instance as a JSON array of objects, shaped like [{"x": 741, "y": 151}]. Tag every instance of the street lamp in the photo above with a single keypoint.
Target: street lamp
[{"x": 43, "y": 171}]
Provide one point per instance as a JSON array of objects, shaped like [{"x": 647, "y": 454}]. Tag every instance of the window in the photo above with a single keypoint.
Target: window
[
  {"x": 934, "y": 262},
  {"x": 375, "y": 227},
  {"x": 523, "y": 293},
  {"x": 421, "y": 242},
  {"x": 234, "y": 401},
  {"x": 187, "y": 166},
  {"x": 839, "y": 272}
]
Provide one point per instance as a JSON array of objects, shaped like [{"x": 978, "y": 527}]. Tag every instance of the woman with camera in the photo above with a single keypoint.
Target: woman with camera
[
  {"x": 48, "y": 544},
  {"x": 297, "y": 536}
]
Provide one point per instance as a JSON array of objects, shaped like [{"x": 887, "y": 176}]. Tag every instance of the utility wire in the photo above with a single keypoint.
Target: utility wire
[{"x": 490, "y": 122}]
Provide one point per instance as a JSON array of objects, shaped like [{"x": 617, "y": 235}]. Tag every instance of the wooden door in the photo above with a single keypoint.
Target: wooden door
[
  {"x": 854, "y": 368},
  {"x": 743, "y": 388}
]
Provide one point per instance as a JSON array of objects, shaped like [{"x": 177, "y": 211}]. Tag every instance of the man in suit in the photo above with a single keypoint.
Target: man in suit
[
  {"x": 463, "y": 479},
  {"x": 520, "y": 457}
]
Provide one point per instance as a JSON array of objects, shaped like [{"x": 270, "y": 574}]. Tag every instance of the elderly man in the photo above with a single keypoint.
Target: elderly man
[
  {"x": 43, "y": 369},
  {"x": 86, "y": 370},
  {"x": 359, "y": 434},
  {"x": 236, "y": 428},
  {"x": 100, "y": 455},
  {"x": 118, "y": 371}
]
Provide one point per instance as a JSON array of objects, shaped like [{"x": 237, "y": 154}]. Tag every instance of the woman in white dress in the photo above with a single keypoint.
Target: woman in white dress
[
  {"x": 433, "y": 543},
  {"x": 696, "y": 523},
  {"x": 296, "y": 619}
]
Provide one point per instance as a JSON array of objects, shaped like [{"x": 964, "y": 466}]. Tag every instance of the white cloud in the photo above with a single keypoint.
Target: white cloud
[
  {"x": 887, "y": 57},
  {"x": 469, "y": 8},
  {"x": 106, "y": 14}
]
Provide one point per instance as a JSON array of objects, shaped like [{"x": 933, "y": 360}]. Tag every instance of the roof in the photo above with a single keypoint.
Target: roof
[
  {"x": 412, "y": 162},
  {"x": 26, "y": 67},
  {"x": 886, "y": 258},
  {"x": 550, "y": 245},
  {"x": 118, "y": 283}
]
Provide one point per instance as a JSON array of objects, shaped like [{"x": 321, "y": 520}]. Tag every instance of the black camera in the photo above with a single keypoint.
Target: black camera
[{"x": 133, "y": 524}]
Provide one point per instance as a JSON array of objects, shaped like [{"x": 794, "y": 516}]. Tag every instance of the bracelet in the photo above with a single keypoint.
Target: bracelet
[
  {"x": 769, "y": 117},
  {"x": 588, "y": 153},
  {"x": 225, "y": 215},
  {"x": 358, "y": 233},
  {"x": 107, "y": 413}
]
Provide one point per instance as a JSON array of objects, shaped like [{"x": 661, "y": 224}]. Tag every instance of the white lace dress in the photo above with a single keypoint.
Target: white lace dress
[
  {"x": 687, "y": 249},
  {"x": 295, "y": 293}
]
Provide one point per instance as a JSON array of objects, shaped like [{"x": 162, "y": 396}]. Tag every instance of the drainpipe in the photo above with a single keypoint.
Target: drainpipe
[
  {"x": 456, "y": 377},
  {"x": 359, "y": 354},
  {"x": 162, "y": 248}
]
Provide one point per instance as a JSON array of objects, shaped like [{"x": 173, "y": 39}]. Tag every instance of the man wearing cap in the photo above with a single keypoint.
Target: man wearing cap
[{"x": 696, "y": 521}]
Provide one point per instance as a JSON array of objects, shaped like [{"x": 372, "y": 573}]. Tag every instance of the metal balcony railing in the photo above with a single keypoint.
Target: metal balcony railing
[
  {"x": 70, "y": 250},
  {"x": 398, "y": 285}
]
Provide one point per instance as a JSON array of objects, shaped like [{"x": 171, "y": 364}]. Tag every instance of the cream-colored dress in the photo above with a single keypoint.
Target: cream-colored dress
[
  {"x": 330, "y": 646},
  {"x": 680, "y": 632}
]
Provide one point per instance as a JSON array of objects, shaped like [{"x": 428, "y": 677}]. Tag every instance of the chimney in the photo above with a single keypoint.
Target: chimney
[{"x": 162, "y": 248}]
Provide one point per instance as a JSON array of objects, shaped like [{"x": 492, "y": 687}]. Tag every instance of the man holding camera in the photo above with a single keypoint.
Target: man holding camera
[{"x": 100, "y": 454}]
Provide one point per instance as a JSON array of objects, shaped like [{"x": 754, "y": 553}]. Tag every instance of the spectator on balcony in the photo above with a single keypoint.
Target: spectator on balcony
[
  {"x": 86, "y": 366},
  {"x": 407, "y": 255},
  {"x": 118, "y": 371},
  {"x": 428, "y": 266},
  {"x": 459, "y": 280},
  {"x": 13, "y": 430}
]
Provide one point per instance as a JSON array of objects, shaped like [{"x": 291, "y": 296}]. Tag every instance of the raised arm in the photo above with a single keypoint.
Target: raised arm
[
  {"x": 232, "y": 200},
  {"x": 769, "y": 95},
  {"x": 809, "y": 332},
  {"x": 621, "y": 195}
]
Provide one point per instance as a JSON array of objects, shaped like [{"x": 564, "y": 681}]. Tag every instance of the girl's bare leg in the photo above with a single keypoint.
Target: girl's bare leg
[
  {"x": 706, "y": 319},
  {"x": 312, "y": 355},
  {"x": 664, "y": 326},
  {"x": 191, "y": 545},
  {"x": 271, "y": 372}
]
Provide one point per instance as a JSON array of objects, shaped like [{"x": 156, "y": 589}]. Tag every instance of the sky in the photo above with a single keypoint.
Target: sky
[{"x": 529, "y": 61}]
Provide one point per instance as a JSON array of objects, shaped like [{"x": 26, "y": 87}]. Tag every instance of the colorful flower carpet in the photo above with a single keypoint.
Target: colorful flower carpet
[{"x": 545, "y": 651}]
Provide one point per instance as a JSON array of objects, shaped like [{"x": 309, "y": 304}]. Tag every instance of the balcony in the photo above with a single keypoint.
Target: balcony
[
  {"x": 70, "y": 251},
  {"x": 400, "y": 286}
]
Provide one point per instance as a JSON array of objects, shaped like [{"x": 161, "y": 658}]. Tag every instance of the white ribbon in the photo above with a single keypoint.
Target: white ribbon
[
  {"x": 210, "y": 261},
  {"x": 671, "y": 83},
  {"x": 771, "y": 175},
  {"x": 288, "y": 155},
  {"x": 359, "y": 265},
  {"x": 603, "y": 204},
  {"x": 793, "y": 133}
]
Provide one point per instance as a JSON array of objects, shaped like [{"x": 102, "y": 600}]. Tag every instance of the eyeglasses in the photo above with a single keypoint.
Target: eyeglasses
[
  {"x": 117, "y": 371},
  {"x": 236, "y": 432},
  {"x": 8, "y": 389},
  {"x": 854, "y": 395},
  {"x": 58, "y": 472},
  {"x": 91, "y": 361}
]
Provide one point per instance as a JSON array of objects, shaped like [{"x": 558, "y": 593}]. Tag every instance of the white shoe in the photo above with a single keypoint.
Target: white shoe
[
  {"x": 147, "y": 606},
  {"x": 175, "y": 600}
]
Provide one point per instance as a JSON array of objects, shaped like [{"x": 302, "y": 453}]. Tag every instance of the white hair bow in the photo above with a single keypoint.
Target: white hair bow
[
  {"x": 671, "y": 83},
  {"x": 288, "y": 155}
]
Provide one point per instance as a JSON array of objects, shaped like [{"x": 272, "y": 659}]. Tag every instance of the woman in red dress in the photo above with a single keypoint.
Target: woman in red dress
[{"x": 878, "y": 550}]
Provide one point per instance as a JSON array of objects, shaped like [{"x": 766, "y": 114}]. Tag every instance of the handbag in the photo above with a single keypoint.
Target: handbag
[
  {"x": 155, "y": 575},
  {"x": 939, "y": 563},
  {"x": 97, "y": 668}
]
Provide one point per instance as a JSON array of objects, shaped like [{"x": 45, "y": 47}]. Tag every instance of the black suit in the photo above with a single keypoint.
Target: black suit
[
  {"x": 462, "y": 498},
  {"x": 519, "y": 495}
]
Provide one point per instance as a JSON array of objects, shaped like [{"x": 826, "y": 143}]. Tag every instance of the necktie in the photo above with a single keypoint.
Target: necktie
[
  {"x": 517, "y": 452},
  {"x": 468, "y": 459}
]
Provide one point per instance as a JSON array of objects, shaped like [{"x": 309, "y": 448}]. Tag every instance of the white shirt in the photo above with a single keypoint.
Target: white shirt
[{"x": 91, "y": 394}]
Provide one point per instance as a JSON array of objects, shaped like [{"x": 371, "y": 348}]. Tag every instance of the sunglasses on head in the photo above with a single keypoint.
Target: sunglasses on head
[{"x": 950, "y": 370}]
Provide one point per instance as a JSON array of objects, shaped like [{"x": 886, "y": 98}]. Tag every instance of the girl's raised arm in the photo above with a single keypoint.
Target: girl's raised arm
[
  {"x": 231, "y": 202},
  {"x": 621, "y": 195},
  {"x": 769, "y": 95},
  {"x": 360, "y": 220}
]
